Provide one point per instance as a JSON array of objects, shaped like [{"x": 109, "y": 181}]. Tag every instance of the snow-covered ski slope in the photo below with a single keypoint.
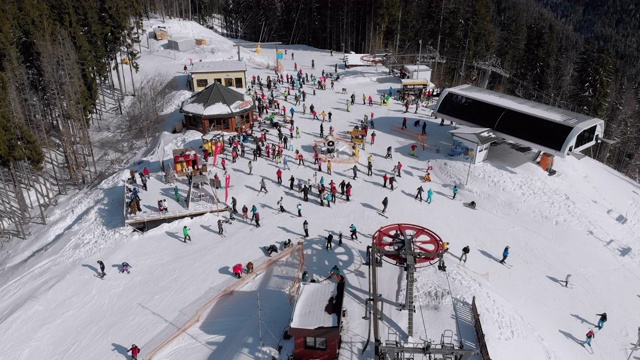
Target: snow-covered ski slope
[{"x": 582, "y": 221}]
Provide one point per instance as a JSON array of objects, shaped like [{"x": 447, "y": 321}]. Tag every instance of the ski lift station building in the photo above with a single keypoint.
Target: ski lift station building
[
  {"x": 542, "y": 127},
  {"x": 317, "y": 321}
]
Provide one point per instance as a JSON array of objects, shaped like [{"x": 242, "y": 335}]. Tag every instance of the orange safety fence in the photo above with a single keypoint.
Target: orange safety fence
[{"x": 210, "y": 297}]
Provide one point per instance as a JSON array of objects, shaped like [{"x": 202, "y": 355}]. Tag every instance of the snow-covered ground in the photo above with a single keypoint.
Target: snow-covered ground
[{"x": 582, "y": 221}]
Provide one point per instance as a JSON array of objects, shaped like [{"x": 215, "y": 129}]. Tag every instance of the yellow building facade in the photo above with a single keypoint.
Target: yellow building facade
[{"x": 227, "y": 73}]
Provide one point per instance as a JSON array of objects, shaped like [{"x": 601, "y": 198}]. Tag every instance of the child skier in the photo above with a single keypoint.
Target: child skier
[
  {"x": 185, "y": 232},
  {"x": 590, "y": 335}
]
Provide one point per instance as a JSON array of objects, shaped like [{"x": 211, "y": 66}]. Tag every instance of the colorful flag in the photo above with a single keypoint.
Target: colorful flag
[{"x": 227, "y": 182}]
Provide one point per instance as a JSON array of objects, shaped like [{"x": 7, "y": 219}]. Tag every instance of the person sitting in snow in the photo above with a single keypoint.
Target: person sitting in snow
[
  {"x": 124, "y": 267},
  {"x": 271, "y": 249},
  {"x": 249, "y": 267}
]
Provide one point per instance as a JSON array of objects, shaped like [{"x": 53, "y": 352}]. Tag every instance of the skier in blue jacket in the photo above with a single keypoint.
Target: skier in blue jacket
[
  {"x": 354, "y": 232},
  {"x": 505, "y": 255}
]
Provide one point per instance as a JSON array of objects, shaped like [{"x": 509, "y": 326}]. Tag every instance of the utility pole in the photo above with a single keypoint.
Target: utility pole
[
  {"x": 419, "y": 57},
  {"x": 435, "y": 71},
  {"x": 260, "y": 326},
  {"x": 398, "y": 38}
]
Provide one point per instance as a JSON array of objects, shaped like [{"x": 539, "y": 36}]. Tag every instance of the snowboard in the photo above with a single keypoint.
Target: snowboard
[
  {"x": 381, "y": 214},
  {"x": 99, "y": 277}
]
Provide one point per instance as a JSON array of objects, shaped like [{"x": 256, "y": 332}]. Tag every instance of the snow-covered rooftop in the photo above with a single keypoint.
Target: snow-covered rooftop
[
  {"x": 218, "y": 66},
  {"x": 477, "y": 135},
  {"x": 355, "y": 60},
  {"x": 312, "y": 305}
]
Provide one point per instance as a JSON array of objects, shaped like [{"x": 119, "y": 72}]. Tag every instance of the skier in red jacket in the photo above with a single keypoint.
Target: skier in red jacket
[{"x": 135, "y": 350}]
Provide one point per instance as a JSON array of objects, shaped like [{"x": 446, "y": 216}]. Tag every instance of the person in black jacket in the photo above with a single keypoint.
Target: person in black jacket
[
  {"x": 465, "y": 252},
  {"x": 305, "y": 227},
  {"x": 329, "y": 242},
  {"x": 271, "y": 249},
  {"x": 602, "y": 320},
  {"x": 385, "y": 202},
  {"x": 102, "y": 273}
]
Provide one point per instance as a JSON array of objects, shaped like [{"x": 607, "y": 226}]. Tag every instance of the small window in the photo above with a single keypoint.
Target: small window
[
  {"x": 202, "y": 83},
  {"x": 219, "y": 81},
  {"x": 239, "y": 83},
  {"x": 228, "y": 82},
  {"x": 315, "y": 343}
]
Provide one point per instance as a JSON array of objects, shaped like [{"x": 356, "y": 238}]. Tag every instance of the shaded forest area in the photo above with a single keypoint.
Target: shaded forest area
[
  {"x": 54, "y": 83},
  {"x": 575, "y": 54}
]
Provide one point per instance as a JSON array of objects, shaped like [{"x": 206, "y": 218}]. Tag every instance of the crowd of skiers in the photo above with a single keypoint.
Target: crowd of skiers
[{"x": 271, "y": 97}]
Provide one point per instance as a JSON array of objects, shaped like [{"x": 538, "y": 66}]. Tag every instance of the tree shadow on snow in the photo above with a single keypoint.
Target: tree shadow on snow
[
  {"x": 570, "y": 337},
  {"x": 488, "y": 255},
  {"x": 120, "y": 349},
  {"x": 91, "y": 267},
  {"x": 583, "y": 320}
]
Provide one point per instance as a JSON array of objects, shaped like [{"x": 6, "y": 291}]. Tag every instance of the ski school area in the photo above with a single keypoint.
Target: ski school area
[{"x": 359, "y": 276}]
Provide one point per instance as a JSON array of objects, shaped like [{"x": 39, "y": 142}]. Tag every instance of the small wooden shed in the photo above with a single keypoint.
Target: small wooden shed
[
  {"x": 160, "y": 33},
  {"x": 317, "y": 321}
]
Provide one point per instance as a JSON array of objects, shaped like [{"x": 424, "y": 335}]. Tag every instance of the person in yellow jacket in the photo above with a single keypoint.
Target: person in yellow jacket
[{"x": 329, "y": 166}]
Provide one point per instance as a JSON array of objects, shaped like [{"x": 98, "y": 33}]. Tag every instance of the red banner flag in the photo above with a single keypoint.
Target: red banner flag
[{"x": 227, "y": 182}]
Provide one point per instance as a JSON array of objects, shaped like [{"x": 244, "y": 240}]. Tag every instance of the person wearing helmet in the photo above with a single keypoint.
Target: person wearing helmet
[{"x": 134, "y": 350}]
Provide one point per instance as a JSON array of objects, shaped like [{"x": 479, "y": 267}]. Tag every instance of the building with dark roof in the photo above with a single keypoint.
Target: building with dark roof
[
  {"x": 543, "y": 127},
  {"x": 218, "y": 108}
]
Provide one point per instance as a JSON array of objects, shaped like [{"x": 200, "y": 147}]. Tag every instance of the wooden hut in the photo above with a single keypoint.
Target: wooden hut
[
  {"x": 218, "y": 108},
  {"x": 317, "y": 321}
]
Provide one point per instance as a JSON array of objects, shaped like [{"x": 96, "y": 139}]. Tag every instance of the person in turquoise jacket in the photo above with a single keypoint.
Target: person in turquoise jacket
[
  {"x": 455, "y": 191},
  {"x": 429, "y": 196},
  {"x": 505, "y": 255}
]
